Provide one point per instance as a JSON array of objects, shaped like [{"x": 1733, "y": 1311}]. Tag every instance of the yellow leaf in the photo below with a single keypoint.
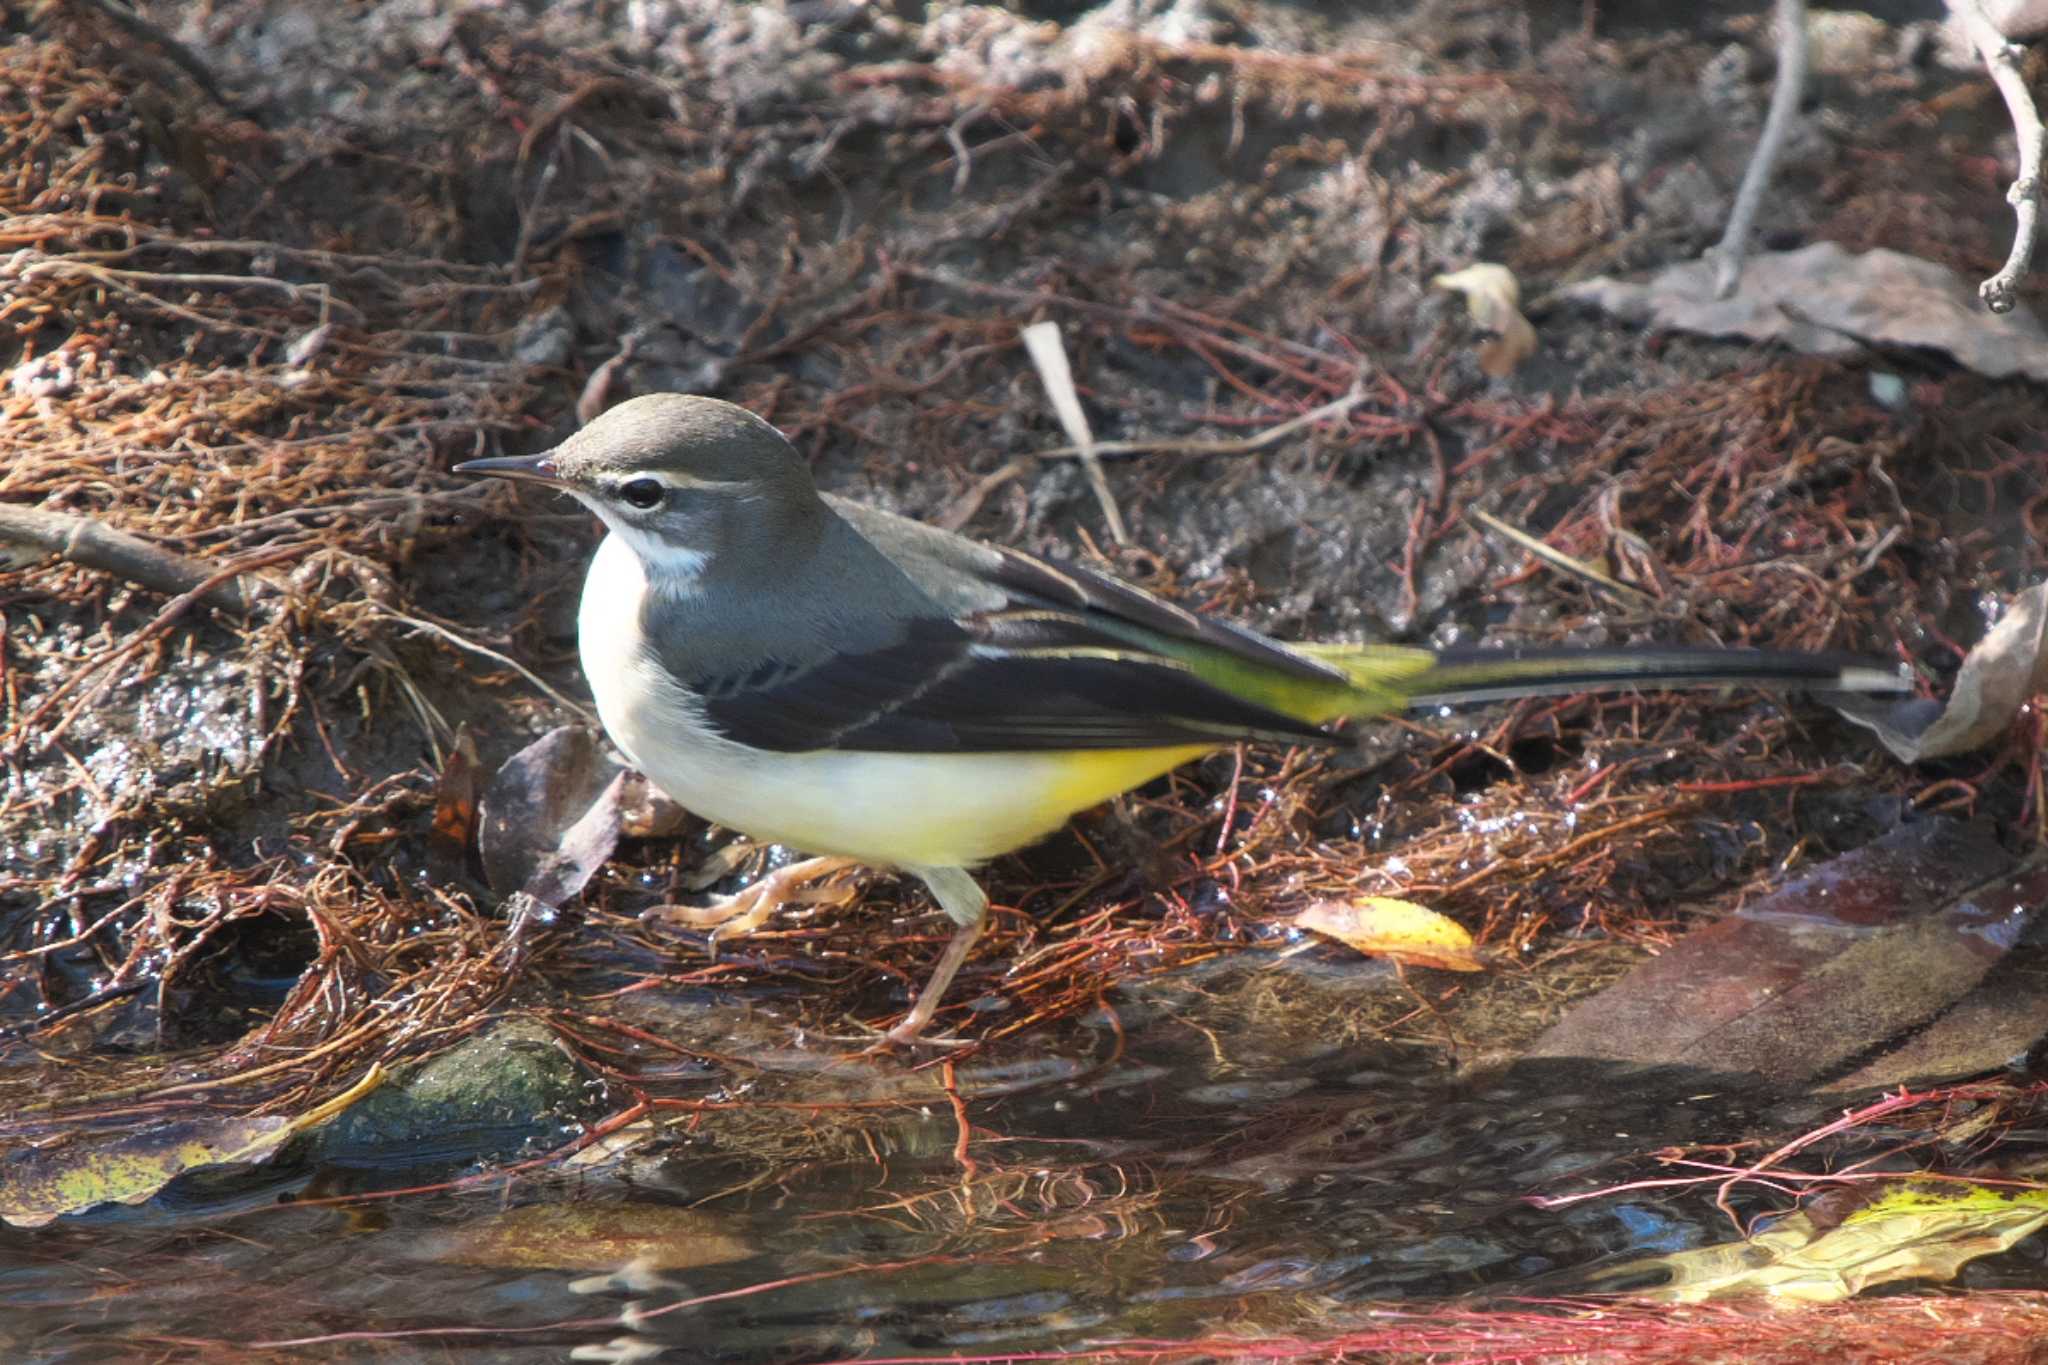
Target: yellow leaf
[
  {"x": 1914, "y": 1231},
  {"x": 1395, "y": 929},
  {"x": 1494, "y": 301},
  {"x": 37, "y": 1187}
]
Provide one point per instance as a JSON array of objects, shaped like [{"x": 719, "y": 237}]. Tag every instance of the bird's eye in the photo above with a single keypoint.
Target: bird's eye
[{"x": 644, "y": 494}]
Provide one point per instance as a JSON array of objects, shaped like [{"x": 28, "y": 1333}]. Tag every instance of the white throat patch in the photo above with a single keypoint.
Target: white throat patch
[{"x": 672, "y": 570}]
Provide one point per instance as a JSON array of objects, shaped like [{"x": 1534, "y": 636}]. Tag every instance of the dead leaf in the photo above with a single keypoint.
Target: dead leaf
[
  {"x": 1999, "y": 674},
  {"x": 1843, "y": 300},
  {"x": 593, "y": 1236},
  {"x": 646, "y": 813},
  {"x": 1911, "y": 1231},
  {"x": 551, "y": 816},
  {"x": 1494, "y": 301},
  {"x": 1802, "y": 982},
  {"x": 1398, "y": 930},
  {"x": 1984, "y": 1031},
  {"x": 38, "y": 1186},
  {"x": 455, "y": 813}
]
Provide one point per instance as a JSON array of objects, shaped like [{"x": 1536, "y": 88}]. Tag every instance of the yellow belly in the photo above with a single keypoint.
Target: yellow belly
[{"x": 916, "y": 810}]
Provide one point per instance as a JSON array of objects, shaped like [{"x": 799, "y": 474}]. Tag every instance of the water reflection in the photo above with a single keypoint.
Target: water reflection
[{"x": 1169, "y": 1192}]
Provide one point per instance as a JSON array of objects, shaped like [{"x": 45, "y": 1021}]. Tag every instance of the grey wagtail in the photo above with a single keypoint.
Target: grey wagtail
[{"x": 811, "y": 672}]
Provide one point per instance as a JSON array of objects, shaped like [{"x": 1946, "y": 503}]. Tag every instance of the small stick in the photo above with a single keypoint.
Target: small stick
[
  {"x": 1559, "y": 560},
  {"x": 128, "y": 282},
  {"x": 962, "y": 512},
  {"x": 1240, "y": 447}
]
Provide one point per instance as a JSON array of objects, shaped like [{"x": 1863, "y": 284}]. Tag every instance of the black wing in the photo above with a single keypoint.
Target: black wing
[{"x": 1018, "y": 680}]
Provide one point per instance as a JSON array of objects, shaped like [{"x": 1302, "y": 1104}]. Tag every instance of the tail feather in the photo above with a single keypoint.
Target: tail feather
[{"x": 1417, "y": 677}]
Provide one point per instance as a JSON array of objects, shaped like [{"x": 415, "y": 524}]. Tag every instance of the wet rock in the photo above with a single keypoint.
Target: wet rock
[{"x": 507, "y": 1091}]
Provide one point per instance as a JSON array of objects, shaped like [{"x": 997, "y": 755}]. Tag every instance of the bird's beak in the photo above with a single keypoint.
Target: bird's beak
[{"x": 526, "y": 468}]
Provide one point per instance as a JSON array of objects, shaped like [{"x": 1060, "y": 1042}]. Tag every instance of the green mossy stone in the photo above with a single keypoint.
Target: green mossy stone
[{"x": 508, "y": 1091}]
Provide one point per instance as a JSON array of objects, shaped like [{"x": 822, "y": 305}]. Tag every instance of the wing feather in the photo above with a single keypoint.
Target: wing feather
[
  {"x": 1031, "y": 680},
  {"x": 994, "y": 650}
]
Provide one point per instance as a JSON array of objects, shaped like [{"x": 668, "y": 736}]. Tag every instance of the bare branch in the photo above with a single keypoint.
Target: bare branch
[
  {"x": 2002, "y": 59},
  {"x": 1785, "y": 96},
  {"x": 95, "y": 545}
]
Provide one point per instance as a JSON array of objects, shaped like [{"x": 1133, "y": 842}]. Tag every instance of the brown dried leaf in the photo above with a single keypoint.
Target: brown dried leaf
[
  {"x": 455, "y": 806},
  {"x": 645, "y": 813},
  {"x": 1823, "y": 300},
  {"x": 1803, "y": 982},
  {"x": 551, "y": 816}
]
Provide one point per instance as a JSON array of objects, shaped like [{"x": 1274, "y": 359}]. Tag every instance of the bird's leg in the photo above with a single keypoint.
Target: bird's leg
[
  {"x": 966, "y": 904},
  {"x": 749, "y": 908}
]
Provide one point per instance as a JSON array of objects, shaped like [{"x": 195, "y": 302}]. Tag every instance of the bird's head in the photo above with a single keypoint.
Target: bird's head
[{"x": 681, "y": 479}]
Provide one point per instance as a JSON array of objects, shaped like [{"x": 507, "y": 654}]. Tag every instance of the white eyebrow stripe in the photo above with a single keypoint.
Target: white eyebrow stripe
[{"x": 680, "y": 482}]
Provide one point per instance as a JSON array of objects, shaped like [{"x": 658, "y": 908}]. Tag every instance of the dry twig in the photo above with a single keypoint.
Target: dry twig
[
  {"x": 93, "y": 544},
  {"x": 1786, "y": 92},
  {"x": 1246, "y": 446},
  {"x": 2002, "y": 59}
]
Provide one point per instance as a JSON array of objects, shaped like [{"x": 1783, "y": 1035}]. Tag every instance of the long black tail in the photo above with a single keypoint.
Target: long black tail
[
  {"x": 1462, "y": 675},
  {"x": 1385, "y": 678}
]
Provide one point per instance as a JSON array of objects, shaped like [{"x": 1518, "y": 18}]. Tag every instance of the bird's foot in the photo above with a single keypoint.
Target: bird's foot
[
  {"x": 910, "y": 1029},
  {"x": 746, "y": 910}
]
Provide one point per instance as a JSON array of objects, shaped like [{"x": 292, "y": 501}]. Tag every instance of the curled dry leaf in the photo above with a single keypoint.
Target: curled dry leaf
[
  {"x": 550, "y": 816},
  {"x": 1494, "y": 301},
  {"x": 1395, "y": 929},
  {"x": 2001, "y": 671}
]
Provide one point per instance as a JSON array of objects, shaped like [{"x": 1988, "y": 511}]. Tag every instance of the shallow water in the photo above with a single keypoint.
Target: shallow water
[{"x": 1182, "y": 1190}]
